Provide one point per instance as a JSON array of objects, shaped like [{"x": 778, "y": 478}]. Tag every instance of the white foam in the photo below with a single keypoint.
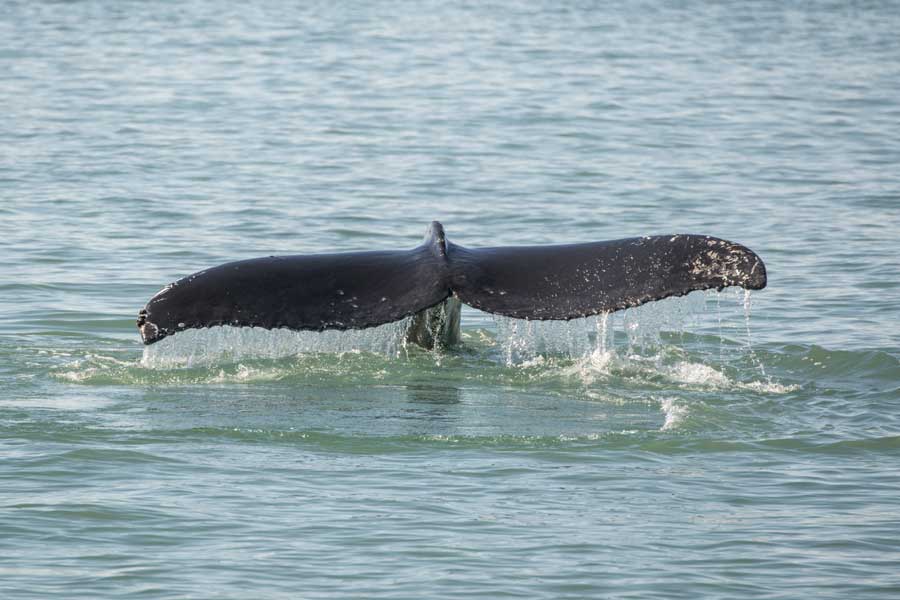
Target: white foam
[
  {"x": 697, "y": 374},
  {"x": 701, "y": 375},
  {"x": 588, "y": 369},
  {"x": 769, "y": 387},
  {"x": 90, "y": 366},
  {"x": 246, "y": 374},
  {"x": 674, "y": 413}
]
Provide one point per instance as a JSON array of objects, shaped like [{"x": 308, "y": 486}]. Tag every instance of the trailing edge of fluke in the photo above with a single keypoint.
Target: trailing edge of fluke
[{"x": 356, "y": 290}]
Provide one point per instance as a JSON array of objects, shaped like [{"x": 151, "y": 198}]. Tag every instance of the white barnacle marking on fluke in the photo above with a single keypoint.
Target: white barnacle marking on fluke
[
  {"x": 724, "y": 263},
  {"x": 149, "y": 330},
  {"x": 754, "y": 267},
  {"x": 162, "y": 291}
]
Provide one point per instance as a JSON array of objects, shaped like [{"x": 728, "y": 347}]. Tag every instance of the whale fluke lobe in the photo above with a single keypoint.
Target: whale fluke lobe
[
  {"x": 356, "y": 290},
  {"x": 578, "y": 280},
  {"x": 352, "y": 290}
]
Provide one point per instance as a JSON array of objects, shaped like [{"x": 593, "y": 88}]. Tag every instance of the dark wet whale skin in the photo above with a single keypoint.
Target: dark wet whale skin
[{"x": 358, "y": 290}]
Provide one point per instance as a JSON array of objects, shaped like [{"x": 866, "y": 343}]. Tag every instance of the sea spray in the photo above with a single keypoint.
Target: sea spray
[{"x": 200, "y": 347}]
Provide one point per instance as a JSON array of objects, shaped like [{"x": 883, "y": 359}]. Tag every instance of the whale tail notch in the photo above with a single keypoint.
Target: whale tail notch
[{"x": 357, "y": 290}]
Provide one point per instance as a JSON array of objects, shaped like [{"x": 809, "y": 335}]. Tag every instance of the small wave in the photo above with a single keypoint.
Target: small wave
[
  {"x": 697, "y": 374},
  {"x": 92, "y": 368},
  {"x": 663, "y": 368},
  {"x": 346, "y": 367},
  {"x": 770, "y": 387},
  {"x": 657, "y": 369},
  {"x": 61, "y": 402},
  {"x": 675, "y": 413},
  {"x": 706, "y": 376},
  {"x": 246, "y": 374}
]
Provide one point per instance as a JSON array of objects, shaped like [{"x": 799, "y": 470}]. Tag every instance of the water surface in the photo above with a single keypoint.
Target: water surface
[{"x": 717, "y": 445}]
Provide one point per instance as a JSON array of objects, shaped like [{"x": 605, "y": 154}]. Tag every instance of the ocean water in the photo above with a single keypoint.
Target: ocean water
[{"x": 719, "y": 445}]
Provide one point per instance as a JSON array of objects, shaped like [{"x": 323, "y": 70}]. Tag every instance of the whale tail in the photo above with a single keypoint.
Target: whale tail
[{"x": 357, "y": 290}]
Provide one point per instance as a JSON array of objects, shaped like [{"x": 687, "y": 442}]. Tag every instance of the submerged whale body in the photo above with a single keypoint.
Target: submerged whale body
[{"x": 356, "y": 290}]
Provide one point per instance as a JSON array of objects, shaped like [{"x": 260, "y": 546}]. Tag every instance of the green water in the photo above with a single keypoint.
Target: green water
[{"x": 716, "y": 446}]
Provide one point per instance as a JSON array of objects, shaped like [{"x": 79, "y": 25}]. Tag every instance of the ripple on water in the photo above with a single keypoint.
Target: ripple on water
[{"x": 677, "y": 454}]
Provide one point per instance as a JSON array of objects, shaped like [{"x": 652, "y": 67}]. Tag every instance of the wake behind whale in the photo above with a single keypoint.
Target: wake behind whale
[{"x": 426, "y": 285}]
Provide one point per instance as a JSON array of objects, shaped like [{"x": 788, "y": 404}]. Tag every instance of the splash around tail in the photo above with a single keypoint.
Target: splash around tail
[{"x": 359, "y": 290}]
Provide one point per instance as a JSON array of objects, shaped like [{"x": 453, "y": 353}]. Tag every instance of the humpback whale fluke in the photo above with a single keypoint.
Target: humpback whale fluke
[{"x": 356, "y": 290}]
